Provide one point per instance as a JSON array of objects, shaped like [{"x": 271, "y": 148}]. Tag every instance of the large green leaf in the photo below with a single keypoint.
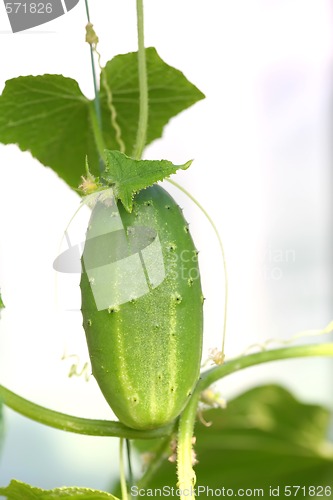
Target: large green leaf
[
  {"x": 169, "y": 93},
  {"x": 21, "y": 491},
  {"x": 49, "y": 116},
  {"x": 265, "y": 438}
]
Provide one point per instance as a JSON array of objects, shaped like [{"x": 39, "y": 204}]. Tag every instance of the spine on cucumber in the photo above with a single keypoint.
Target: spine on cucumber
[{"x": 142, "y": 308}]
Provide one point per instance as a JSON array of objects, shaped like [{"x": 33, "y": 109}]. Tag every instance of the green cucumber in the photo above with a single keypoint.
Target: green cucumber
[{"x": 146, "y": 352}]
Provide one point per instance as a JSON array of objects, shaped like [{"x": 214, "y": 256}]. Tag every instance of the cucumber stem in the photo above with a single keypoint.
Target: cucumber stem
[
  {"x": 124, "y": 493},
  {"x": 143, "y": 85},
  {"x": 185, "y": 453},
  {"x": 97, "y": 104},
  {"x": 236, "y": 364},
  {"x": 96, "y": 101},
  {"x": 129, "y": 461},
  {"x": 185, "y": 456}
]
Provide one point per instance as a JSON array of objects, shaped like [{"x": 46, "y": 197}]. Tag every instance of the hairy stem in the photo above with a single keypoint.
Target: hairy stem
[
  {"x": 96, "y": 101},
  {"x": 143, "y": 85},
  {"x": 129, "y": 461},
  {"x": 124, "y": 494},
  {"x": 234, "y": 365},
  {"x": 97, "y": 104},
  {"x": 77, "y": 425},
  {"x": 185, "y": 455}
]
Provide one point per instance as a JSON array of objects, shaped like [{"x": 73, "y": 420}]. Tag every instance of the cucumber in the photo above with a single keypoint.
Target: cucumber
[{"x": 145, "y": 349}]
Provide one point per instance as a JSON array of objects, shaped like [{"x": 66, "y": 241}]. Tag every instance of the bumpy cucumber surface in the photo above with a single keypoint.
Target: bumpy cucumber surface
[{"x": 146, "y": 353}]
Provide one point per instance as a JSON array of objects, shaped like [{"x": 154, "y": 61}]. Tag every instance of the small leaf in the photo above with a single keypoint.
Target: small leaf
[
  {"x": 128, "y": 176},
  {"x": 19, "y": 491}
]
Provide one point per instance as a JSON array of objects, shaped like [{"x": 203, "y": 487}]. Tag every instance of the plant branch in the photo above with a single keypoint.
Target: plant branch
[
  {"x": 129, "y": 462},
  {"x": 77, "y": 425},
  {"x": 97, "y": 104},
  {"x": 234, "y": 365},
  {"x": 185, "y": 454},
  {"x": 143, "y": 85},
  {"x": 96, "y": 101},
  {"x": 123, "y": 485}
]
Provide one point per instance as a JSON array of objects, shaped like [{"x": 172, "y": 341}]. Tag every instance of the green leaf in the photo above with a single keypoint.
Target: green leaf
[
  {"x": 264, "y": 438},
  {"x": 49, "y": 116},
  {"x": 128, "y": 176},
  {"x": 18, "y": 491},
  {"x": 169, "y": 93}
]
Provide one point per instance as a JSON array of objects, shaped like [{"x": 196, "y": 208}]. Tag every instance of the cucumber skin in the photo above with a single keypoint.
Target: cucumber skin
[{"x": 146, "y": 353}]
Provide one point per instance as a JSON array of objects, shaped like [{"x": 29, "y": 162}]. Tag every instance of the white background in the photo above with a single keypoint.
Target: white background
[{"x": 261, "y": 144}]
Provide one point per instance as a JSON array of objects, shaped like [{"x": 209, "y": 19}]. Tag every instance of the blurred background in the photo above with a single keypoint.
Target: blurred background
[{"x": 261, "y": 141}]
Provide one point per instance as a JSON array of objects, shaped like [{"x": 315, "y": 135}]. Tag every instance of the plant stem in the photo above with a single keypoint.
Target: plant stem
[
  {"x": 97, "y": 104},
  {"x": 143, "y": 85},
  {"x": 124, "y": 494},
  {"x": 234, "y": 365},
  {"x": 129, "y": 461},
  {"x": 96, "y": 100},
  {"x": 77, "y": 425},
  {"x": 185, "y": 456}
]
